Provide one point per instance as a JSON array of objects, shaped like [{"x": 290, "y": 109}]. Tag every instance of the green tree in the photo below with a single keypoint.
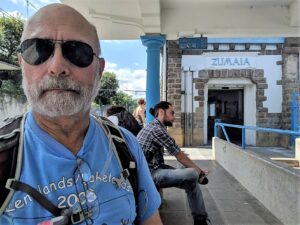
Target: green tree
[
  {"x": 11, "y": 29},
  {"x": 108, "y": 88},
  {"x": 109, "y": 94},
  {"x": 10, "y": 34},
  {"x": 126, "y": 100},
  {"x": 9, "y": 87}
]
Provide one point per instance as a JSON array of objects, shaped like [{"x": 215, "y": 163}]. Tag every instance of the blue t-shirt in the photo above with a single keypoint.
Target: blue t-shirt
[{"x": 53, "y": 170}]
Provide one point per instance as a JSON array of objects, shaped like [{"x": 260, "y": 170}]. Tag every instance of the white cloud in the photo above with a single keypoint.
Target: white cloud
[
  {"x": 18, "y": 2},
  {"x": 110, "y": 66},
  {"x": 15, "y": 13},
  {"x": 33, "y": 5},
  {"x": 134, "y": 80},
  {"x": 13, "y": 1},
  {"x": 46, "y": 2}
]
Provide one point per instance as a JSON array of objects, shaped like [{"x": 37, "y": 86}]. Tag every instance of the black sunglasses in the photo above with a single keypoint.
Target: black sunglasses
[{"x": 36, "y": 51}]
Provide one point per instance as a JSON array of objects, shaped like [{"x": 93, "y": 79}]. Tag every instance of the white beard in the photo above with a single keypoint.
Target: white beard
[{"x": 60, "y": 103}]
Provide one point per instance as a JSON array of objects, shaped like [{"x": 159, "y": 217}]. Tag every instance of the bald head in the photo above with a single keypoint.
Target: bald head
[{"x": 61, "y": 22}]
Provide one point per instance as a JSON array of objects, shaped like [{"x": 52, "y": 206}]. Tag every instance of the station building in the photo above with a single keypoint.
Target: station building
[
  {"x": 241, "y": 81},
  {"x": 237, "y": 81}
]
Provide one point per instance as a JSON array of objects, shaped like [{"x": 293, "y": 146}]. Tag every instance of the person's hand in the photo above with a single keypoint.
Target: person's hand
[
  {"x": 205, "y": 171},
  {"x": 202, "y": 171},
  {"x": 202, "y": 177}
]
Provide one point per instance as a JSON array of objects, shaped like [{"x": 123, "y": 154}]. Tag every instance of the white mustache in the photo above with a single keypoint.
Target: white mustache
[
  {"x": 75, "y": 96},
  {"x": 62, "y": 83}
]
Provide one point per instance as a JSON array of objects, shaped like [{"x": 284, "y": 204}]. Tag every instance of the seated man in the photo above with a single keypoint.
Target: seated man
[{"x": 153, "y": 139}]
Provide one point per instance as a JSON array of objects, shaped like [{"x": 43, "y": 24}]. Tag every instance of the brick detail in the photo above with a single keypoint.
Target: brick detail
[{"x": 174, "y": 81}]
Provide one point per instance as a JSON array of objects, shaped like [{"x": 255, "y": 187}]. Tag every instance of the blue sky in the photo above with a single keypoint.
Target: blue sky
[{"x": 128, "y": 59}]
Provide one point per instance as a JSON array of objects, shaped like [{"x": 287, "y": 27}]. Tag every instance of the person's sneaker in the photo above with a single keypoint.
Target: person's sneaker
[
  {"x": 202, "y": 179},
  {"x": 202, "y": 222}
]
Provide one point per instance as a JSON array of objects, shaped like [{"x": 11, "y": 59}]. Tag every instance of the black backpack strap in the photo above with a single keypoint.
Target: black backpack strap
[
  {"x": 15, "y": 185},
  {"x": 66, "y": 215},
  {"x": 124, "y": 155},
  {"x": 126, "y": 158},
  {"x": 11, "y": 153}
]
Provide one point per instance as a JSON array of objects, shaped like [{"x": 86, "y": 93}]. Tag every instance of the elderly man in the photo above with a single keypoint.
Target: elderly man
[
  {"x": 153, "y": 139},
  {"x": 61, "y": 71}
]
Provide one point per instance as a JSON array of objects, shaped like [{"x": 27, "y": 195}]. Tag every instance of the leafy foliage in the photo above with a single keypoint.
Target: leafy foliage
[
  {"x": 9, "y": 87},
  {"x": 125, "y": 100},
  {"x": 109, "y": 94},
  {"x": 10, "y": 35},
  {"x": 108, "y": 88}
]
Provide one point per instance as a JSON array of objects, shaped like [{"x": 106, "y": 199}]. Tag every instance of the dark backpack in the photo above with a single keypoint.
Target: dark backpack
[{"x": 11, "y": 153}]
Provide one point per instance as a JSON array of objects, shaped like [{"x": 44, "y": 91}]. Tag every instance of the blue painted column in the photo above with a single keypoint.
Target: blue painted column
[{"x": 153, "y": 44}]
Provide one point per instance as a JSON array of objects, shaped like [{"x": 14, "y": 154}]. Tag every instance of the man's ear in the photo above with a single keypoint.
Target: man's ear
[
  {"x": 160, "y": 111},
  {"x": 101, "y": 65}
]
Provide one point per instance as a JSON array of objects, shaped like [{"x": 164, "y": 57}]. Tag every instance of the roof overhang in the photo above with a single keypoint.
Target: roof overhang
[{"x": 130, "y": 19}]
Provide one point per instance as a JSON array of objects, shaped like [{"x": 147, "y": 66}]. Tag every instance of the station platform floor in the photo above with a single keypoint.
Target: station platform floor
[{"x": 227, "y": 201}]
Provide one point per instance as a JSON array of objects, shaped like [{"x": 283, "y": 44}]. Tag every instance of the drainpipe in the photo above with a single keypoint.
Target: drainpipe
[
  {"x": 299, "y": 66},
  {"x": 164, "y": 73}
]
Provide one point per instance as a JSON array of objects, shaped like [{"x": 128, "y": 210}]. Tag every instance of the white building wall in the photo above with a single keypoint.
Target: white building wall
[
  {"x": 10, "y": 107},
  {"x": 272, "y": 73}
]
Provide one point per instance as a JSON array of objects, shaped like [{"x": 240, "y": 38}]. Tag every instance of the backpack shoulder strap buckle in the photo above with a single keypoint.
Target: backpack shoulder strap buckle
[
  {"x": 77, "y": 217},
  {"x": 9, "y": 183},
  {"x": 123, "y": 177}
]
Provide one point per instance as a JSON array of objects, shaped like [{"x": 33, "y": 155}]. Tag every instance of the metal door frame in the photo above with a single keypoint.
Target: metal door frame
[{"x": 188, "y": 106}]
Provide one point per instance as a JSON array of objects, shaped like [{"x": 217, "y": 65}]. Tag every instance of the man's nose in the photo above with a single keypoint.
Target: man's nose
[{"x": 58, "y": 65}]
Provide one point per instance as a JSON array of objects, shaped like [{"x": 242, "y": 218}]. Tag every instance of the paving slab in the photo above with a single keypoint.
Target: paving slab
[{"x": 227, "y": 201}]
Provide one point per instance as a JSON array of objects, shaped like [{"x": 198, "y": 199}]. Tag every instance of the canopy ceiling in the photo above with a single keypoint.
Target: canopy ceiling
[{"x": 129, "y": 19}]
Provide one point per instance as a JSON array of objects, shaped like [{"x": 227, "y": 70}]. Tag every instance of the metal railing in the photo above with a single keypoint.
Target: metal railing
[
  {"x": 243, "y": 145},
  {"x": 295, "y": 115}
]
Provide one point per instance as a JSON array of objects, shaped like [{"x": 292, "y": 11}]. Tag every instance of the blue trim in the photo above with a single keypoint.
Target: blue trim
[
  {"x": 246, "y": 40},
  {"x": 153, "y": 44},
  {"x": 278, "y": 131},
  {"x": 295, "y": 110}
]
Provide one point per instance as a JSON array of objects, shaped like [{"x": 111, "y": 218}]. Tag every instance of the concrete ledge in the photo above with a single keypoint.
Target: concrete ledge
[{"x": 277, "y": 188}]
